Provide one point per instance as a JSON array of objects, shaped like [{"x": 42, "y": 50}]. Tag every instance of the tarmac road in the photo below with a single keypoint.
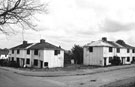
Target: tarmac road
[{"x": 11, "y": 79}]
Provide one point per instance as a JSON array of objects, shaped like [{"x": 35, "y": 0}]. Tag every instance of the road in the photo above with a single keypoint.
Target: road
[{"x": 11, "y": 79}]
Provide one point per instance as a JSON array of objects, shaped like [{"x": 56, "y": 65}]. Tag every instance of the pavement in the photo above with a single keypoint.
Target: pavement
[{"x": 66, "y": 73}]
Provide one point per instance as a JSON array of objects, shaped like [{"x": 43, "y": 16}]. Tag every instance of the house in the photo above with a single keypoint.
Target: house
[
  {"x": 20, "y": 54},
  {"x": 130, "y": 50},
  {"x": 38, "y": 55},
  {"x": 4, "y": 53},
  {"x": 44, "y": 54},
  {"x": 102, "y": 52}
]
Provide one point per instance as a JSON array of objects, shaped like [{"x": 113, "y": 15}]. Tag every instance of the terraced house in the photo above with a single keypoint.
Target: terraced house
[
  {"x": 38, "y": 55},
  {"x": 102, "y": 52}
]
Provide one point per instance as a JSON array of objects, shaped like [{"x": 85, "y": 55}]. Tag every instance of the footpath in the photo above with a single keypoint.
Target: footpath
[{"x": 66, "y": 73}]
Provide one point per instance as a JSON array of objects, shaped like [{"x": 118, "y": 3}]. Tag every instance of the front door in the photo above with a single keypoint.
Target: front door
[
  {"x": 105, "y": 61},
  {"x": 123, "y": 60},
  {"x": 41, "y": 64}
]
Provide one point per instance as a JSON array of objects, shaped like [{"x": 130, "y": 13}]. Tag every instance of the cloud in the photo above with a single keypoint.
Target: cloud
[{"x": 116, "y": 26}]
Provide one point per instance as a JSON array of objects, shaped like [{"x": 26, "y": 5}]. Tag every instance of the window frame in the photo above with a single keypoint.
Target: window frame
[
  {"x": 18, "y": 51},
  {"x": 110, "y": 59},
  {"x": 28, "y": 51},
  {"x": 128, "y": 50},
  {"x": 27, "y": 62},
  {"x": 128, "y": 59},
  {"x": 118, "y": 50},
  {"x": 56, "y": 52},
  {"x": 110, "y": 49},
  {"x": 12, "y": 51},
  {"x": 35, "y": 62},
  {"x": 90, "y": 49},
  {"x": 36, "y": 52},
  {"x": 46, "y": 64}
]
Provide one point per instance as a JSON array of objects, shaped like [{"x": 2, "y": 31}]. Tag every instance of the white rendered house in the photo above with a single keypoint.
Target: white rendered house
[
  {"x": 101, "y": 53},
  {"x": 38, "y": 55},
  {"x": 44, "y": 54}
]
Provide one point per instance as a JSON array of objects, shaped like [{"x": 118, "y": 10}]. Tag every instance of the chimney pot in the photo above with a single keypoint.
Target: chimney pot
[
  {"x": 42, "y": 41},
  {"x": 104, "y": 39},
  {"x": 24, "y": 42}
]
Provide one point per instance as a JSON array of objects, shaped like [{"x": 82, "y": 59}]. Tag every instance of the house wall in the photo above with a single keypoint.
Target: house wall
[
  {"x": 39, "y": 57},
  {"x": 54, "y": 60},
  {"x": 93, "y": 58},
  {"x": 22, "y": 56}
]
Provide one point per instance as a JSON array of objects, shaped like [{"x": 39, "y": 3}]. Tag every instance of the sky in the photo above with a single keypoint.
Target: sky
[{"x": 70, "y": 22}]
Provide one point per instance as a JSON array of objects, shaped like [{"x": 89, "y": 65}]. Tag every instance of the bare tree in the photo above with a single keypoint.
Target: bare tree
[{"x": 18, "y": 13}]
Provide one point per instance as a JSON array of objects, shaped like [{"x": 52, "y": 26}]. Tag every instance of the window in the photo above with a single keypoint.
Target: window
[
  {"x": 12, "y": 59},
  {"x": 110, "y": 49},
  {"x": 110, "y": 59},
  {"x": 36, "y": 52},
  {"x": 118, "y": 50},
  {"x": 128, "y": 59},
  {"x": 28, "y": 51},
  {"x": 18, "y": 51},
  {"x": 46, "y": 64},
  {"x": 27, "y": 61},
  {"x": 35, "y": 62},
  {"x": 12, "y": 51},
  {"x": 133, "y": 58},
  {"x": 127, "y": 50},
  {"x": 56, "y": 52},
  {"x": 133, "y": 50},
  {"x": 90, "y": 49}
]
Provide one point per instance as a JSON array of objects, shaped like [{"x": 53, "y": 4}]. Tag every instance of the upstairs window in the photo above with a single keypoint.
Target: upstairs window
[
  {"x": 133, "y": 51},
  {"x": 36, "y": 52},
  {"x": 110, "y": 49},
  {"x": 18, "y": 51},
  {"x": 127, "y": 50},
  {"x": 90, "y": 49},
  {"x": 28, "y": 51},
  {"x": 12, "y": 51},
  {"x": 118, "y": 50},
  {"x": 56, "y": 52}
]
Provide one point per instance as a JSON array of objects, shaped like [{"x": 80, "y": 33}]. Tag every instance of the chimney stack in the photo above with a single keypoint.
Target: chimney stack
[
  {"x": 42, "y": 41},
  {"x": 24, "y": 42},
  {"x": 104, "y": 39}
]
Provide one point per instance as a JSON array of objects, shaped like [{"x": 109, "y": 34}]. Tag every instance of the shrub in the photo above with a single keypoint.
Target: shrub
[{"x": 116, "y": 60}]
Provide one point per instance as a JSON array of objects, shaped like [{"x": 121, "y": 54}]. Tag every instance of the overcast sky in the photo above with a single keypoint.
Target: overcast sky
[{"x": 79, "y": 22}]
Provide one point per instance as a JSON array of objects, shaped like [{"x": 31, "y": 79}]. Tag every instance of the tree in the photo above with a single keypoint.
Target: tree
[
  {"x": 77, "y": 54},
  {"x": 18, "y": 13}
]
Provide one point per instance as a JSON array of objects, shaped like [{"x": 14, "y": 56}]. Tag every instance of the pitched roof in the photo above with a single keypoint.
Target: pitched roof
[
  {"x": 99, "y": 43},
  {"x": 121, "y": 42},
  {"x": 44, "y": 45},
  {"x": 114, "y": 44},
  {"x": 104, "y": 43},
  {"x": 21, "y": 46}
]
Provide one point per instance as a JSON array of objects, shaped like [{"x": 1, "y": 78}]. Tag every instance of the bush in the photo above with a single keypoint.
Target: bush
[
  {"x": 116, "y": 60},
  {"x": 13, "y": 64},
  {"x": 3, "y": 62}
]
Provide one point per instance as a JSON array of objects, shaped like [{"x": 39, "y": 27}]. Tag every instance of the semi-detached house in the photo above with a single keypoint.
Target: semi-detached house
[
  {"x": 101, "y": 52},
  {"x": 38, "y": 55}
]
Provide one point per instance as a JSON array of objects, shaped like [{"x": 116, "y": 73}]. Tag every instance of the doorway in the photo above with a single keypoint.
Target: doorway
[
  {"x": 41, "y": 64},
  {"x": 105, "y": 61}
]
